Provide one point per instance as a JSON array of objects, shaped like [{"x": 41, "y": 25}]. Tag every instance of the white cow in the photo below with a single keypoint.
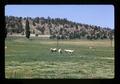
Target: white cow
[
  {"x": 91, "y": 47},
  {"x": 60, "y": 50},
  {"x": 53, "y": 49},
  {"x": 68, "y": 51}
]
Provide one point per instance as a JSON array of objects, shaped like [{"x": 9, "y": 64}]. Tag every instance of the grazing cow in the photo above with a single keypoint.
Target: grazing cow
[
  {"x": 91, "y": 47},
  {"x": 60, "y": 50},
  {"x": 68, "y": 51},
  {"x": 53, "y": 49}
]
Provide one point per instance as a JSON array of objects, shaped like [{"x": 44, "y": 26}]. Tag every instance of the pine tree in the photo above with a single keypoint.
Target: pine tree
[
  {"x": 111, "y": 38},
  {"x": 27, "y": 27}
]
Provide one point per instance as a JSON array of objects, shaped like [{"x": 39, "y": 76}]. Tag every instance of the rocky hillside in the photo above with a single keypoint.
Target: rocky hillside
[{"x": 57, "y": 26}]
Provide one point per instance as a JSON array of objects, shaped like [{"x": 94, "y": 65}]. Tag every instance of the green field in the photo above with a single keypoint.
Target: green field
[{"x": 32, "y": 59}]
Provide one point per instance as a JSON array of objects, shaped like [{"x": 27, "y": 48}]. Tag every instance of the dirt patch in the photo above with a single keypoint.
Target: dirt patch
[
  {"x": 86, "y": 43},
  {"x": 107, "y": 58}
]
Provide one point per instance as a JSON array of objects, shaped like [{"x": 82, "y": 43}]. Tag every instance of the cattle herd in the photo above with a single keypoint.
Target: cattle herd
[{"x": 59, "y": 50}]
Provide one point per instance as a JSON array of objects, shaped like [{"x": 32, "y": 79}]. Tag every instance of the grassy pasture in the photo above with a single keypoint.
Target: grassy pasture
[{"x": 32, "y": 59}]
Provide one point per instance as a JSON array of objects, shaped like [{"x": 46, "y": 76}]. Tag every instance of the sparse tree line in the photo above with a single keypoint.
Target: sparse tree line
[{"x": 57, "y": 28}]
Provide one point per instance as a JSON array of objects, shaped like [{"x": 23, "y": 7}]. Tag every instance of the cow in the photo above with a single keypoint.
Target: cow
[
  {"x": 69, "y": 51},
  {"x": 60, "y": 50},
  {"x": 53, "y": 49}
]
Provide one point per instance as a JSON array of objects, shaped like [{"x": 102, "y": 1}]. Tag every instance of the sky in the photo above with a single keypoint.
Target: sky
[{"x": 100, "y": 15}]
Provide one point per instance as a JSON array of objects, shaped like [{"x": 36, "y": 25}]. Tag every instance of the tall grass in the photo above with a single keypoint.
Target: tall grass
[{"x": 32, "y": 59}]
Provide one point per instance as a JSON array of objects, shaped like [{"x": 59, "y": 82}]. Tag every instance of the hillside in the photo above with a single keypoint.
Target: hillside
[{"x": 57, "y": 26}]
